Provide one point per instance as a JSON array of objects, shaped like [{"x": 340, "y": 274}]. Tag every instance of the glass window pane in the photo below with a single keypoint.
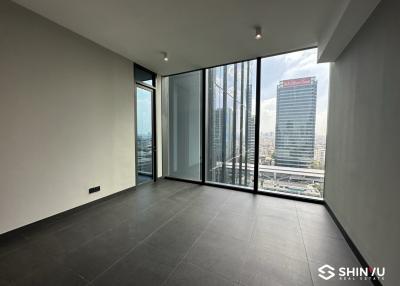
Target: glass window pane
[
  {"x": 230, "y": 124},
  {"x": 144, "y": 132},
  {"x": 293, "y": 118},
  {"x": 183, "y": 93}
]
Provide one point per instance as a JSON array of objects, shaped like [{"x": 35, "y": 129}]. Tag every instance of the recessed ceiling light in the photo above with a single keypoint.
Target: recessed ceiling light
[
  {"x": 258, "y": 33},
  {"x": 165, "y": 57}
]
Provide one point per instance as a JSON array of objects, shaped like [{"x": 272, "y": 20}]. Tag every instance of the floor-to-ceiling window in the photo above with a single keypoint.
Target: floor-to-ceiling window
[
  {"x": 230, "y": 124},
  {"x": 182, "y": 99},
  {"x": 293, "y": 118},
  {"x": 289, "y": 155}
]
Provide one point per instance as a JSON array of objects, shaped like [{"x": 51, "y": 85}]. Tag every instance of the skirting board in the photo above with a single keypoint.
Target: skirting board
[
  {"x": 64, "y": 213},
  {"x": 353, "y": 247}
]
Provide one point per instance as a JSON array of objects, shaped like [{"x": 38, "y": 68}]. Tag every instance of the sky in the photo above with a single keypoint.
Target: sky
[
  {"x": 143, "y": 111},
  {"x": 289, "y": 66}
]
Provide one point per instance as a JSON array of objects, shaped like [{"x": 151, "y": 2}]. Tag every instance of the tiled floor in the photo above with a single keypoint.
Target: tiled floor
[
  {"x": 143, "y": 179},
  {"x": 174, "y": 233}
]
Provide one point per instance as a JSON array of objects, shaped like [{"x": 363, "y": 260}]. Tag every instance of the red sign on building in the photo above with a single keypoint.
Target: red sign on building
[{"x": 297, "y": 81}]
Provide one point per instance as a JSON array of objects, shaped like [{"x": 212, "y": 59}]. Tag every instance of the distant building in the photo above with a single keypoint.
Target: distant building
[
  {"x": 319, "y": 155},
  {"x": 295, "y": 122},
  {"x": 145, "y": 154},
  {"x": 251, "y": 131}
]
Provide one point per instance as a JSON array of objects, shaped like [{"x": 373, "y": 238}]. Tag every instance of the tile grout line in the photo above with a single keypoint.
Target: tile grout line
[
  {"x": 54, "y": 259},
  {"x": 304, "y": 245},
  {"x": 116, "y": 225},
  {"x": 248, "y": 251},
  {"x": 196, "y": 240},
  {"x": 75, "y": 214},
  {"x": 95, "y": 237},
  {"x": 29, "y": 239},
  {"x": 139, "y": 243}
]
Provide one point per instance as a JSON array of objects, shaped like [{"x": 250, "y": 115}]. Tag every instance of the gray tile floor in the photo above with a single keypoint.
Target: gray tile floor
[
  {"x": 174, "y": 233},
  {"x": 143, "y": 179}
]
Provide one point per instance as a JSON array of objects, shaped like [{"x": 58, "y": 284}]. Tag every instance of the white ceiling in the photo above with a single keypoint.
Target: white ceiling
[{"x": 202, "y": 33}]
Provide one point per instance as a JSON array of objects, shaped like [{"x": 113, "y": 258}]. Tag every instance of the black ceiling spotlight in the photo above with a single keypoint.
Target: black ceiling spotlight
[{"x": 258, "y": 35}]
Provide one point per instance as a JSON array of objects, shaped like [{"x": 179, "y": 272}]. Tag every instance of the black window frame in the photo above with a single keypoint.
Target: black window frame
[
  {"x": 140, "y": 69},
  {"x": 255, "y": 189},
  {"x": 152, "y": 88}
]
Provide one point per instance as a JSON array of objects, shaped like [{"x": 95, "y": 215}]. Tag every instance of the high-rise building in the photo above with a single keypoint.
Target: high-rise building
[
  {"x": 251, "y": 129},
  {"x": 295, "y": 122}
]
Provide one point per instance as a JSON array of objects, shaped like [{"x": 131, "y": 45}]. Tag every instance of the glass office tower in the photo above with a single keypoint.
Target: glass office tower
[{"x": 295, "y": 122}]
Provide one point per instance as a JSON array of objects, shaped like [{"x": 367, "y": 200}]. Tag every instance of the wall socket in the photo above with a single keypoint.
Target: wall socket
[{"x": 94, "y": 189}]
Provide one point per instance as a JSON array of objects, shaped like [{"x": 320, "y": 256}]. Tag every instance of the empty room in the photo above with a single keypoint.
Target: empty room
[{"x": 243, "y": 143}]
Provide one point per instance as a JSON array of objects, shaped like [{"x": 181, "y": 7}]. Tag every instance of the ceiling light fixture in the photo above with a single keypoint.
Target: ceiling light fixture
[
  {"x": 258, "y": 33},
  {"x": 165, "y": 57}
]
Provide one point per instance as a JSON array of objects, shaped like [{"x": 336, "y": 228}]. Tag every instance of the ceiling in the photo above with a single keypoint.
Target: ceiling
[{"x": 204, "y": 33}]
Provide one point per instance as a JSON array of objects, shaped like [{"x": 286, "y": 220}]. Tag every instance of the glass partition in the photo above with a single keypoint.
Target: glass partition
[{"x": 182, "y": 98}]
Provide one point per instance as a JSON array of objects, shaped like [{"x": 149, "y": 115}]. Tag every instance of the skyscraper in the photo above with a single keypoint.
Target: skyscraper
[
  {"x": 295, "y": 122},
  {"x": 251, "y": 128}
]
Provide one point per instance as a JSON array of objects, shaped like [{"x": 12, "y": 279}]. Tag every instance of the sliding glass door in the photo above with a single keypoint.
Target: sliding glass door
[{"x": 230, "y": 122}]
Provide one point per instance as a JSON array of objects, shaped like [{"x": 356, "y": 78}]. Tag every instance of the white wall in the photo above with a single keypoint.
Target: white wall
[
  {"x": 66, "y": 119},
  {"x": 363, "y": 143}
]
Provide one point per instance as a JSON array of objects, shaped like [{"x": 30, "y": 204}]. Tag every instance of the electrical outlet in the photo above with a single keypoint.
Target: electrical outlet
[{"x": 94, "y": 189}]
